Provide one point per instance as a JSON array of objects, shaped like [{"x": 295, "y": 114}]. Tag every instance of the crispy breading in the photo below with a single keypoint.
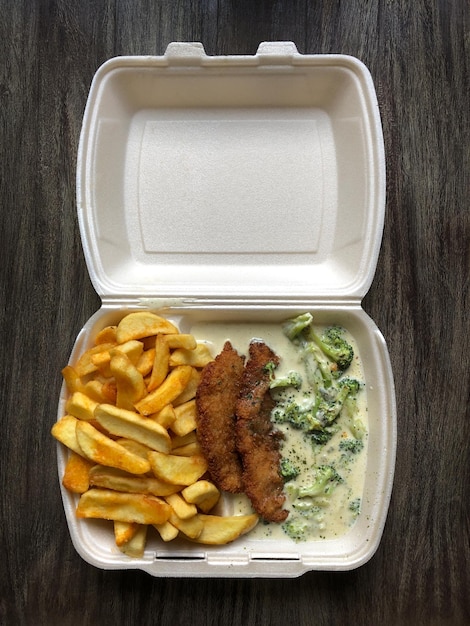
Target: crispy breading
[
  {"x": 216, "y": 400},
  {"x": 257, "y": 441}
]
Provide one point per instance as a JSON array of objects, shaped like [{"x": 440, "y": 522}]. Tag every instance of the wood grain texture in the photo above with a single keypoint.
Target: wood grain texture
[{"x": 418, "y": 54}]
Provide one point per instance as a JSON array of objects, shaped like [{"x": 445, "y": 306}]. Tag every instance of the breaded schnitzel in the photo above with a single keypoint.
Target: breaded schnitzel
[
  {"x": 216, "y": 400},
  {"x": 257, "y": 441}
]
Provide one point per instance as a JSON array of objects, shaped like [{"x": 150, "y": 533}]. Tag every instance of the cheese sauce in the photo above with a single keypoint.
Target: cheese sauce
[{"x": 329, "y": 515}]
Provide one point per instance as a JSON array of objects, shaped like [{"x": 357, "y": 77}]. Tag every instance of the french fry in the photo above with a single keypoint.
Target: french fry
[
  {"x": 72, "y": 379},
  {"x": 203, "y": 494},
  {"x": 135, "y": 547},
  {"x": 167, "y": 531},
  {"x": 171, "y": 388},
  {"x": 191, "y": 527},
  {"x": 219, "y": 530},
  {"x": 180, "y": 340},
  {"x": 132, "y": 349},
  {"x": 104, "y": 451},
  {"x": 177, "y": 470},
  {"x": 134, "y": 446},
  {"x": 106, "y": 335},
  {"x": 142, "y": 324},
  {"x": 65, "y": 431},
  {"x": 76, "y": 475},
  {"x": 183, "y": 509},
  {"x": 122, "y": 507},
  {"x": 160, "y": 366},
  {"x": 199, "y": 357},
  {"x": 124, "y": 531},
  {"x": 85, "y": 365},
  {"x": 129, "y": 381},
  {"x": 145, "y": 362},
  {"x": 94, "y": 389},
  {"x": 189, "y": 391},
  {"x": 118, "y": 480},
  {"x": 81, "y": 406},
  {"x": 131, "y": 425},
  {"x": 185, "y": 421},
  {"x": 165, "y": 417},
  {"x": 190, "y": 449}
]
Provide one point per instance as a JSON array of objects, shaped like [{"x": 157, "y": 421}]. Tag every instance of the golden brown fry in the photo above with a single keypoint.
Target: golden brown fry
[
  {"x": 124, "y": 531},
  {"x": 185, "y": 421},
  {"x": 183, "y": 509},
  {"x": 167, "y": 531},
  {"x": 131, "y": 425},
  {"x": 190, "y": 390},
  {"x": 65, "y": 431},
  {"x": 165, "y": 417},
  {"x": 106, "y": 335},
  {"x": 129, "y": 381},
  {"x": 203, "y": 494},
  {"x": 72, "y": 380},
  {"x": 191, "y": 527},
  {"x": 118, "y": 480},
  {"x": 104, "y": 451},
  {"x": 177, "y": 470},
  {"x": 160, "y": 366},
  {"x": 135, "y": 547},
  {"x": 81, "y": 406},
  {"x": 142, "y": 324},
  {"x": 171, "y": 388},
  {"x": 181, "y": 340},
  {"x": 219, "y": 530},
  {"x": 145, "y": 362},
  {"x": 85, "y": 365},
  {"x": 134, "y": 446},
  {"x": 123, "y": 507},
  {"x": 199, "y": 357},
  {"x": 76, "y": 474}
]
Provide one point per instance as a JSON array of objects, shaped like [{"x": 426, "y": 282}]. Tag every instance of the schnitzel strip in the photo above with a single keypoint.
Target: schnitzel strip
[
  {"x": 257, "y": 441},
  {"x": 216, "y": 400}
]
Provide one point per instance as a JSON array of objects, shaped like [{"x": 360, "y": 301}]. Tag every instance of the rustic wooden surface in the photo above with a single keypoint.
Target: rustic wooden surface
[{"x": 418, "y": 54}]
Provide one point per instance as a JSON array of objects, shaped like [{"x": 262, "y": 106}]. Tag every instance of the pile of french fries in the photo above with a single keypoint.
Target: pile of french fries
[{"x": 130, "y": 427}]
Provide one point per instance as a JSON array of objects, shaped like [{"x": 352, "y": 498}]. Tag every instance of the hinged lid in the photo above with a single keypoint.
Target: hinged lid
[{"x": 240, "y": 177}]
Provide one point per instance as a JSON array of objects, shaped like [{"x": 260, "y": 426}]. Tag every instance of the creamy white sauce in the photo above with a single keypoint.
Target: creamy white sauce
[{"x": 333, "y": 515}]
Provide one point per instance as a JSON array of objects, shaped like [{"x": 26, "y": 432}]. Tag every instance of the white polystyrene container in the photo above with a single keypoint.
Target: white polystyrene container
[{"x": 241, "y": 189}]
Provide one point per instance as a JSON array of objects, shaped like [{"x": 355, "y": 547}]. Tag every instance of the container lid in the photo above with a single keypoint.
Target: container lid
[{"x": 247, "y": 177}]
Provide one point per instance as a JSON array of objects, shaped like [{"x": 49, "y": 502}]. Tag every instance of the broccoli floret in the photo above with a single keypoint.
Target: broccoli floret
[
  {"x": 355, "y": 507},
  {"x": 326, "y": 479},
  {"x": 325, "y": 357},
  {"x": 288, "y": 470},
  {"x": 352, "y": 446},
  {"x": 296, "y": 528},
  {"x": 321, "y": 437},
  {"x": 294, "y": 327},
  {"x": 291, "y": 379},
  {"x": 334, "y": 345},
  {"x": 293, "y": 414},
  {"x": 333, "y": 399}
]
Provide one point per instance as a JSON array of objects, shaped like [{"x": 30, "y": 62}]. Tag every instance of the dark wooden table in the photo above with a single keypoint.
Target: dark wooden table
[{"x": 418, "y": 54}]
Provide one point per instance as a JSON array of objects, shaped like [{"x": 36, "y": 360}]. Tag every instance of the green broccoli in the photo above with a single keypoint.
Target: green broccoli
[
  {"x": 288, "y": 470},
  {"x": 294, "y": 414},
  {"x": 294, "y": 327},
  {"x": 296, "y": 528},
  {"x": 355, "y": 506},
  {"x": 326, "y": 479},
  {"x": 333, "y": 344},
  {"x": 291, "y": 379},
  {"x": 351, "y": 446},
  {"x": 325, "y": 357}
]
